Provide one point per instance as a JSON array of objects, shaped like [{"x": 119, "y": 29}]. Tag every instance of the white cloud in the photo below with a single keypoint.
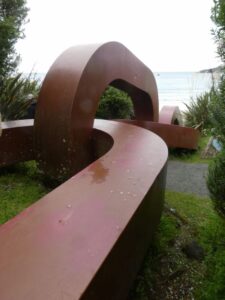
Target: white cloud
[{"x": 166, "y": 35}]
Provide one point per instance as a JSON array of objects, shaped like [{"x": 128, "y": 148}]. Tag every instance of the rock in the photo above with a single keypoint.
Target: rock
[{"x": 194, "y": 251}]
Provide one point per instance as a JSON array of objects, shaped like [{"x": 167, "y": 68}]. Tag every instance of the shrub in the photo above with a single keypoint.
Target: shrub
[
  {"x": 216, "y": 182},
  {"x": 197, "y": 114},
  {"x": 218, "y": 113},
  {"x": 216, "y": 177},
  {"x": 16, "y": 95},
  {"x": 115, "y": 104},
  {"x": 216, "y": 174}
]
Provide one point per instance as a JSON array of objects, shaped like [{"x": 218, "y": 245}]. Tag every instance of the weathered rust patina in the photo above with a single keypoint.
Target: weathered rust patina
[
  {"x": 87, "y": 238},
  {"x": 16, "y": 142},
  {"x": 69, "y": 98},
  {"x": 173, "y": 135}
]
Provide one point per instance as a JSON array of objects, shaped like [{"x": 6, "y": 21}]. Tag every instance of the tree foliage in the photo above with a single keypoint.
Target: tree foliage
[
  {"x": 218, "y": 113},
  {"x": 218, "y": 17},
  {"x": 115, "y": 104},
  {"x": 16, "y": 92},
  {"x": 216, "y": 177},
  {"x": 216, "y": 182},
  {"x": 218, "y": 107},
  {"x": 12, "y": 18}
]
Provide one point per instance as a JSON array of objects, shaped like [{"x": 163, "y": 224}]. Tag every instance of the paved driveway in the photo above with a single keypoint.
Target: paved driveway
[{"x": 187, "y": 178}]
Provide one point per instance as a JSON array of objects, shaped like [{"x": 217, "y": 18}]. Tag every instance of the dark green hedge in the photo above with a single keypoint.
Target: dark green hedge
[{"x": 115, "y": 104}]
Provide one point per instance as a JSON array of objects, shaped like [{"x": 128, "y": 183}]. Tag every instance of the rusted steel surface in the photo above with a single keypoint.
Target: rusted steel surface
[
  {"x": 69, "y": 98},
  {"x": 16, "y": 142},
  {"x": 170, "y": 115},
  {"x": 174, "y": 136},
  {"x": 87, "y": 238}
]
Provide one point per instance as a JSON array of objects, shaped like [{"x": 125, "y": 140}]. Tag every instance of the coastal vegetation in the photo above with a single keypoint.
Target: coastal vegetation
[
  {"x": 218, "y": 17},
  {"x": 207, "y": 113},
  {"x": 12, "y": 20},
  {"x": 216, "y": 175},
  {"x": 115, "y": 104},
  {"x": 197, "y": 113},
  {"x": 16, "y": 91}
]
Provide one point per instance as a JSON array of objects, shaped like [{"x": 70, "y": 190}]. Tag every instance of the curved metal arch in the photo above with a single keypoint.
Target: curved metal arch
[
  {"x": 170, "y": 115},
  {"x": 73, "y": 87}
]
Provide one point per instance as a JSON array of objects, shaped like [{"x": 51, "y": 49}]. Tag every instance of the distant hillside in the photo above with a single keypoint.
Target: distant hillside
[{"x": 213, "y": 70}]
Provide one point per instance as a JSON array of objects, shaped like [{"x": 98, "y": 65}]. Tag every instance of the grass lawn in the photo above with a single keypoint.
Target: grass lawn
[
  {"x": 167, "y": 273},
  {"x": 191, "y": 156},
  {"x": 20, "y": 186}
]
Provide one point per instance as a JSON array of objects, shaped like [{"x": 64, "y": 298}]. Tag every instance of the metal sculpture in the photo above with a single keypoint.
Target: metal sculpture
[
  {"x": 73, "y": 87},
  {"x": 174, "y": 136},
  {"x": 170, "y": 115},
  {"x": 87, "y": 238},
  {"x": 167, "y": 128},
  {"x": 16, "y": 142}
]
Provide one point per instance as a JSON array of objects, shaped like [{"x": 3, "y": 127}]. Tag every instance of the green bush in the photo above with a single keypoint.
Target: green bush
[
  {"x": 216, "y": 177},
  {"x": 16, "y": 95},
  {"x": 115, "y": 104},
  {"x": 218, "y": 113},
  {"x": 216, "y": 182},
  {"x": 197, "y": 114}
]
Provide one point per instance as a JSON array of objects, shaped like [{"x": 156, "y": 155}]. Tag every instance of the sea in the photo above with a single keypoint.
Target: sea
[{"x": 178, "y": 88}]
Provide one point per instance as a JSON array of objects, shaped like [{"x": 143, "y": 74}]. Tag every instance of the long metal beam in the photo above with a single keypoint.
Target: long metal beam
[{"x": 87, "y": 238}]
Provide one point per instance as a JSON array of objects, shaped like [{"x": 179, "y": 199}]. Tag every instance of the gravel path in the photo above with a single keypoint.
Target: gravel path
[{"x": 187, "y": 178}]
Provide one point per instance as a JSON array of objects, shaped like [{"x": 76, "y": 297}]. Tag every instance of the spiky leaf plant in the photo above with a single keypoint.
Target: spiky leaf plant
[
  {"x": 197, "y": 114},
  {"x": 16, "y": 95}
]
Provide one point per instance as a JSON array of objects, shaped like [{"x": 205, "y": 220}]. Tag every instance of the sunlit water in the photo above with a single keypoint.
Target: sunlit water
[{"x": 178, "y": 88}]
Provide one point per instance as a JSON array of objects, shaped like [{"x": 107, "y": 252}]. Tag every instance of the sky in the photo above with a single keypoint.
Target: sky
[{"x": 167, "y": 35}]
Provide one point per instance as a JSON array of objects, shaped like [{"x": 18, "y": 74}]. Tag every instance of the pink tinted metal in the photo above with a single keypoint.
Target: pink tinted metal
[
  {"x": 173, "y": 135},
  {"x": 170, "y": 115}
]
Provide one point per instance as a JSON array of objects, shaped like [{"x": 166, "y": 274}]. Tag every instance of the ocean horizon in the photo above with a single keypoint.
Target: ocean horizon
[{"x": 177, "y": 88}]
